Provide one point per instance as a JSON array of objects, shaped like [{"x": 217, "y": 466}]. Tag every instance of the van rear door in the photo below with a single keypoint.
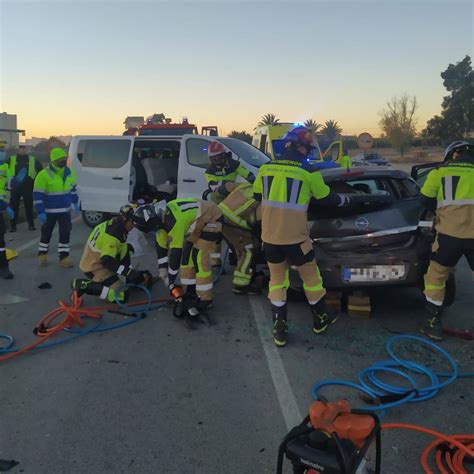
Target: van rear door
[{"x": 103, "y": 171}]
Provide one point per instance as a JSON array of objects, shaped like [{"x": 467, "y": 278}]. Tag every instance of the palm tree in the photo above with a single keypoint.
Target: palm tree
[
  {"x": 268, "y": 119},
  {"x": 331, "y": 129},
  {"x": 312, "y": 126}
]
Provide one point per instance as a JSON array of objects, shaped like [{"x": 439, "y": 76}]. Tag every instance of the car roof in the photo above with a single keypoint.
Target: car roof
[{"x": 361, "y": 172}]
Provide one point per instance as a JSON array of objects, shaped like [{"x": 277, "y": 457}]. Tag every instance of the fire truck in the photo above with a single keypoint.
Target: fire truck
[{"x": 159, "y": 125}]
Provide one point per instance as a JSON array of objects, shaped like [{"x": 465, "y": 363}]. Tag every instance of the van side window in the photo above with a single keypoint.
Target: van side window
[
  {"x": 196, "y": 149},
  {"x": 105, "y": 153}
]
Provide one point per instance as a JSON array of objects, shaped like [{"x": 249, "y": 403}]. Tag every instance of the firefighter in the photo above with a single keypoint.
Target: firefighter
[
  {"x": 106, "y": 260},
  {"x": 223, "y": 169},
  {"x": 285, "y": 186},
  {"x": 241, "y": 230},
  {"x": 54, "y": 193},
  {"x": 18, "y": 162},
  {"x": 6, "y": 181},
  {"x": 187, "y": 230},
  {"x": 448, "y": 191}
]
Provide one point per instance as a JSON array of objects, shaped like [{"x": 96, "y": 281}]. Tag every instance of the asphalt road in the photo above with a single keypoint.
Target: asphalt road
[{"x": 156, "y": 397}]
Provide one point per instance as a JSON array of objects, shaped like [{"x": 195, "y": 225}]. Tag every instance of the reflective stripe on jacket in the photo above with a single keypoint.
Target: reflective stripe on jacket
[
  {"x": 218, "y": 176},
  {"x": 286, "y": 186},
  {"x": 239, "y": 207},
  {"x": 31, "y": 166},
  {"x": 55, "y": 190},
  {"x": 4, "y": 173},
  {"x": 452, "y": 185}
]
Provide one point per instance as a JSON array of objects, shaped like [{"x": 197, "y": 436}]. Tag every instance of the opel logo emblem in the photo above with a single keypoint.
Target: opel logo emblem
[{"x": 362, "y": 223}]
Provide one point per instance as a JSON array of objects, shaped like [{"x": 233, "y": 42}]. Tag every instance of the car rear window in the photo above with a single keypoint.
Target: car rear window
[{"x": 369, "y": 186}]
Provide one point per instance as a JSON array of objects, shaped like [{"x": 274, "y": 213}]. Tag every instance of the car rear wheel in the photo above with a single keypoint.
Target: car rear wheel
[{"x": 93, "y": 218}]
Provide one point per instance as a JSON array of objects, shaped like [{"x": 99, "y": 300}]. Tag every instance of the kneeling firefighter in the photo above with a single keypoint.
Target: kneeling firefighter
[
  {"x": 222, "y": 173},
  {"x": 242, "y": 230},
  {"x": 106, "y": 260},
  {"x": 448, "y": 191},
  {"x": 285, "y": 187},
  {"x": 188, "y": 230}
]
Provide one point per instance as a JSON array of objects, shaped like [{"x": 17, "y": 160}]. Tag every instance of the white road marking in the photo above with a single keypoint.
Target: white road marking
[
  {"x": 36, "y": 240},
  {"x": 286, "y": 397}
]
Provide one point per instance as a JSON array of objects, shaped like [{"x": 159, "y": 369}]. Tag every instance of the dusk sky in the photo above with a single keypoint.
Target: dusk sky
[{"x": 80, "y": 67}]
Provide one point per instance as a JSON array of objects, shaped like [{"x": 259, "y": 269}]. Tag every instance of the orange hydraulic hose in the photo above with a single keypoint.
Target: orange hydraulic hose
[
  {"x": 463, "y": 444},
  {"x": 72, "y": 317}
]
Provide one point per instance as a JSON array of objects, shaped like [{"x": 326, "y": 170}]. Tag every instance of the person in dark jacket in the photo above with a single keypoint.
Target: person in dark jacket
[{"x": 23, "y": 161}]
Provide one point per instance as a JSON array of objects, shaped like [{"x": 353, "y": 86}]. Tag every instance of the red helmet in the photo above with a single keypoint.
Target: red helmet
[{"x": 216, "y": 148}]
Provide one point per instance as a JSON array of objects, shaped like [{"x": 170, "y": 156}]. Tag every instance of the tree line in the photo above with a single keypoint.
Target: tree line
[{"x": 398, "y": 118}]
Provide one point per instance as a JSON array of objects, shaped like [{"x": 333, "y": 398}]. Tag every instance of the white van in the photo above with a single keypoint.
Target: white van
[{"x": 111, "y": 170}]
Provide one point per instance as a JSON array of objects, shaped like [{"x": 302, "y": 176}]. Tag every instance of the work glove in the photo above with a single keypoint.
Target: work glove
[
  {"x": 21, "y": 175},
  {"x": 163, "y": 275},
  {"x": 42, "y": 217},
  {"x": 11, "y": 213},
  {"x": 77, "y": 207}
]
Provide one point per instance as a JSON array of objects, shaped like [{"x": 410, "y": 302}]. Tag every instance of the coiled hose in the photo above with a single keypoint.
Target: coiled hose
[
  {"x": 73, "y": 322},
  {"x": 450, "y": 452}
]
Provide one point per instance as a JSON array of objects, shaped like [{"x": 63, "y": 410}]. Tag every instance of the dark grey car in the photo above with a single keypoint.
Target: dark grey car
[{"x": 376, "y": 242}]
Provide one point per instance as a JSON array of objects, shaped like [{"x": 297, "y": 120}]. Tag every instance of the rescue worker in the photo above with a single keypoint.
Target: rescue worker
[
  {"x": 106, "y": 260},
  {"x": 187, "y": 229},
  {"x": 241, "y": 229},
  {"x": 22, "y": 160},
  {"x": 448, "y": 191},
  {"x": 54, "y": 193},
  {"x": 223, "y": 169},
  {"x": 5, "y": 182},
  {"x": 345, "y": 161},
  {"x": 285, "y": 186}
]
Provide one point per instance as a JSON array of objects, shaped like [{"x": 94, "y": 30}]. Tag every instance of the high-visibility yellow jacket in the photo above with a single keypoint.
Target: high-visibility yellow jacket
[
  {"x": 240, "y": 207},
  {"x": 286, "y": 186},
  {"x": 452, "y": 185},
  {"x": 55, "y": 190},
  {"x": 33, "y": 166}
]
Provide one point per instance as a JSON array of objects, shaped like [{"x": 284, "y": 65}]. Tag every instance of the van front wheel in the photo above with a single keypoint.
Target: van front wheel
[{"x": 93, "y": 218}]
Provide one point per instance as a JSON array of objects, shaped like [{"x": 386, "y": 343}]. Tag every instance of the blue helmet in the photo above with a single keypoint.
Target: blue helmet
[{"x": 300, "y": 136}]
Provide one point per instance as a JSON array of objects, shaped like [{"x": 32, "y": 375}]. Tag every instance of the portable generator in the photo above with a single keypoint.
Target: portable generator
[{"x": 332, "y": 439}]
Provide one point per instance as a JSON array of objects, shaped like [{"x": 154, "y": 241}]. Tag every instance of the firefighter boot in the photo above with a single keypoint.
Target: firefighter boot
[
  {"x": 280, "y": 327},
  {"x": 431, "y": 326},
  {"x": 43, "y": 260},
  {"x": 321, "y": 318},
  {"x": 66, "y": 262}
]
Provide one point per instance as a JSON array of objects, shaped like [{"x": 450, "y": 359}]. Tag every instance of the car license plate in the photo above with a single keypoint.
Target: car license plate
[{"x": 374, "y": 273}]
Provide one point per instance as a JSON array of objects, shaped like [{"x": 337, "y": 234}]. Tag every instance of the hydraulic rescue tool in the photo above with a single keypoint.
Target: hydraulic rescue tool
[
  {"x": 332, "y": 439},
  {"x": 186, "y": 307}
]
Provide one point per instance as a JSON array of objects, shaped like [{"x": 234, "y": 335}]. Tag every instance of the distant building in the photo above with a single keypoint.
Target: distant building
[
  {"x": 133, "y": 122},
  {"x": 9, "y": 131}
]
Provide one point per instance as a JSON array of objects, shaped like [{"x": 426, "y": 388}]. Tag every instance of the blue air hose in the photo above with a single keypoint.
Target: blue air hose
[
  {"x": 389, "y": 395},
  {"x": 100, "y": 327}
]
